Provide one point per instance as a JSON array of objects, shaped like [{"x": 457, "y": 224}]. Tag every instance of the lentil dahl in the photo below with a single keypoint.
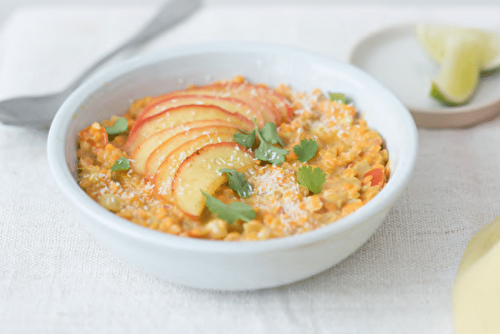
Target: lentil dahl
[{"x": 350, "y": 154}]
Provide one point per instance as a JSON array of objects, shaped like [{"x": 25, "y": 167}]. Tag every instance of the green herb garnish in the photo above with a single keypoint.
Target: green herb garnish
[
  {"x": 341, "y": 97},
  {"x": 119, "y": 126},
  {"x": 270, "y": 153},
  {"x": 121, "y": 164},
  {"x": 266, "y": 151},
  {"x": 267, "y": 136},
  {"x": 245, "y": 138},
  {"x": 306, "y": 150},
  {"x": 229, "y": 212},
  {"x": 237, "y": 182},
  {"x": 270, "y": 134},
  {"x": 310, "y": 178}
]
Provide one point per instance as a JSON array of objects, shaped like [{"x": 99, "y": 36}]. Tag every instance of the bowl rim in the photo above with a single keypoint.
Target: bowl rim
[{"x": 57, "y": 159}]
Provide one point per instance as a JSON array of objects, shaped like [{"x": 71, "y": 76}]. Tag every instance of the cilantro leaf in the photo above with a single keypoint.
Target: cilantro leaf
[
  {"x": 306, "y": 150},
  {"x": 121, "y": 164},
  {"x": 237, "y": 182},
  {"x": 229, "y": 212},
  {"x": 270, "y": 134},
  {"x": 310, "y": 178},
  {"x": 270, "y": 153},
  {"x": 245, "y": 139},
  {"x": 120, "y": 125},
  {"x": 266, "y": 151},
  {"x": 341, "y": 97}
]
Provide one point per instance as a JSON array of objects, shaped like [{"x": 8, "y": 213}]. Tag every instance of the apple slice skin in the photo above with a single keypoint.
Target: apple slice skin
[
  {"x": 162, "y": 152},
  {"x": 198, "y": 172},
  {"x": 246, "y": 92},
  {"x": 165, "y": 173},
  {"x": 240, "y": 91},
  {"x": 183, "y": 98},
  {"x": 254, "y": 95},
  {"x": 279, "y": 101},
  {"x": 142, "y": 152},
  {"x": 285, "y": 111},
  {"x": 179, "y": 115}
]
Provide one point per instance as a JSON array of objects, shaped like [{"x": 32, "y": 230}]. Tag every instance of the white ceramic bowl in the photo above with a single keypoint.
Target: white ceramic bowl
[{"x": 231, "y": 265}]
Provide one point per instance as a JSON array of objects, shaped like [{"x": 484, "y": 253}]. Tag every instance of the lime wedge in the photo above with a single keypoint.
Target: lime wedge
[
  {"x": 458, "y": 76},
  {"x": 464, "y": 53},
  {"x": 433, "y": 39}
]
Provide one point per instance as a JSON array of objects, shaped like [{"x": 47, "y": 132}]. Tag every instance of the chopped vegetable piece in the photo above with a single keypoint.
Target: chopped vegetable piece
[
  {"x": 310, "y": 178},
  {"x": 306, "y": 150},
  {"x": 377, "y": 175},
  {"x": 339, "y": 97},
  {"x": 229, "y": 212},
  {"x": 237, "y": 182},
  {"x": 95, "y": 135},
  {"x": 121, "y": 164},
  {"x": 120, "y": 125}
]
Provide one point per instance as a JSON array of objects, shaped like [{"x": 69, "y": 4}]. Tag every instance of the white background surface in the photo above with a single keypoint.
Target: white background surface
[
  {"x": 8, "y": 6},
  {"x": 54, "y": 278}
]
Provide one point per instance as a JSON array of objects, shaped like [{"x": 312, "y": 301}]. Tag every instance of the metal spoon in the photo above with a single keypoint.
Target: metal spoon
[{"x": 38, "y": 111}]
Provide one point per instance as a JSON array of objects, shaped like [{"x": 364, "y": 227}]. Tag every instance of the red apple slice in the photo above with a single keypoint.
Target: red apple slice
[
  {"x": 281, "y": 107},
  {"x": 200, "y": 171},
  {"x": 244, "y": 92},
  {"x": 166, "y": 171},
  {"x": 216, "y": 133},
  {"x": 181, "y": 98},
  {"x": 279, "y": 101},
  {"x": 179, "y": 115},
  {"x": 142, "y": 152}
]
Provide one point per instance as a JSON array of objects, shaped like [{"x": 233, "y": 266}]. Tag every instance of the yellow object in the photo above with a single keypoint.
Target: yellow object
[
  {"x": 463, "y": 54},
  {"x": 458, "y": 76},
  {"x": 476, "y": 292},
  {"x": 352, "y": 155},
  {"x": 434, "y": 39}
]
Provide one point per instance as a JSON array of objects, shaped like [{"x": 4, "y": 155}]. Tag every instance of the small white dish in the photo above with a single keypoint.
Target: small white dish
[
  {"x": 394, "y": 57},
  {"x": 231, "y": 265}
]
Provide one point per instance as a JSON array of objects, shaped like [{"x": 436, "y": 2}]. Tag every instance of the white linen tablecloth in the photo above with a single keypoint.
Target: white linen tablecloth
[{"x": 55, "y": 278}]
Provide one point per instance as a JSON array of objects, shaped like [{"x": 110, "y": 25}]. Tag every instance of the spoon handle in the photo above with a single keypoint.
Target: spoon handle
[
  {"x": 38, "y": 111},
  {"x": 171, "y": 13}
]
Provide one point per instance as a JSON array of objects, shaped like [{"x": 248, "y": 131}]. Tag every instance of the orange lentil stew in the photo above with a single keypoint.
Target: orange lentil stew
[{"x": 332, "y": 164}]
